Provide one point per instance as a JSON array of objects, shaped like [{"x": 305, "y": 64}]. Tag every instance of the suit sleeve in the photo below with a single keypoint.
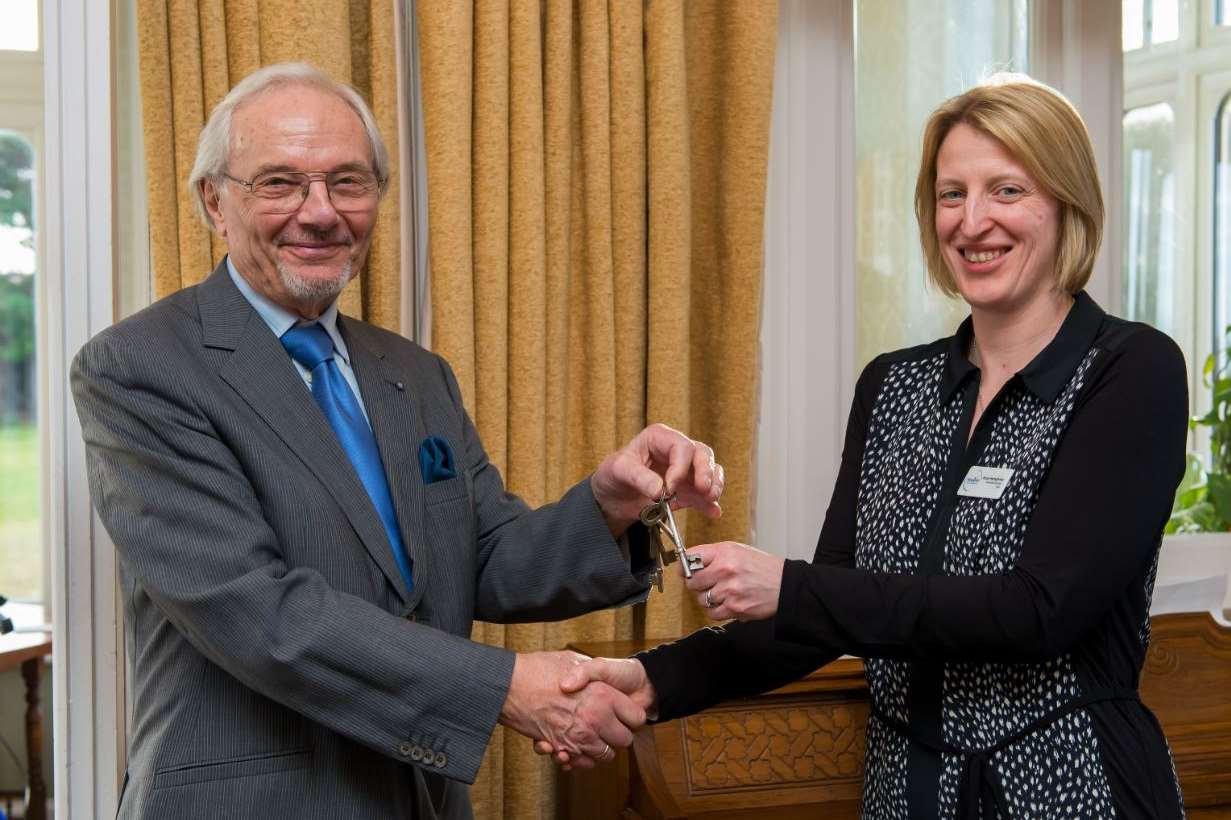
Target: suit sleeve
[
  {"x": 191, "y": 535},
  {"x": 1093, "y": 533},
  {"x": 743, "y": 659},
  {"x": 551, "y": 563}
]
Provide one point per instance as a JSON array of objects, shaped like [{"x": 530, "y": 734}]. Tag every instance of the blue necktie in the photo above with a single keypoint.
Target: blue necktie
[{"x": 311, "y": 346}]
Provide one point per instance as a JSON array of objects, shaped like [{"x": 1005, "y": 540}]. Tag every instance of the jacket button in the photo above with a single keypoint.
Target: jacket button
[
  {"x": 416, "y": 753},
  {"x": 429, "y": 758},
  {"x": 404, "y": 749},
  {"x": 441, "y": 760}
]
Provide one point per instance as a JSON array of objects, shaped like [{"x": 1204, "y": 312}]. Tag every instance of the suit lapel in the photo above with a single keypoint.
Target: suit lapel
[
  {"x": 262, "y": 373},
  {"x": 397, "y": 423}
]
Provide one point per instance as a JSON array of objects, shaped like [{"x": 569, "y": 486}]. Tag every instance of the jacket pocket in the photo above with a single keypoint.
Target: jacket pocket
[
  {"x": 270, "y": 763},
  {"x": 449, "y": 489}
]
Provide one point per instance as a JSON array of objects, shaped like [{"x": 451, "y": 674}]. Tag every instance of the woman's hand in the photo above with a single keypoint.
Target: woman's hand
[{"x": 738, "y": 581}]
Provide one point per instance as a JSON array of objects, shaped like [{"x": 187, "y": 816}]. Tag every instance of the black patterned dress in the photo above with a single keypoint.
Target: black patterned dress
[{"x": 998, "y": 589}]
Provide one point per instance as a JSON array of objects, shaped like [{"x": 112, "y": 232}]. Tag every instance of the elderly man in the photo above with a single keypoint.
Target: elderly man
[{"x": 307, "y": 523}]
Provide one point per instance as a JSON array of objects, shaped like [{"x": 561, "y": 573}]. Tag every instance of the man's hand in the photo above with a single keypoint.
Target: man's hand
[
  {"x": 584, "y": 723},
  {"x": 634, "y": 476},
  {"x": 626, "y": 675},
  {"x": 737, "y": 581}
]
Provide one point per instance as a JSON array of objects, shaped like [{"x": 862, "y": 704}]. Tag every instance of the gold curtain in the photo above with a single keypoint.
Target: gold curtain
[
  {"x": 193, "y": 51},
  {"x": 596, "y": 187}
]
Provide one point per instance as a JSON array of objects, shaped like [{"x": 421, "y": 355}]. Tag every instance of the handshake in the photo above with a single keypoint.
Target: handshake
[
  {"x": 575, "y": 708},
  {"x": 578, "y": 709}
]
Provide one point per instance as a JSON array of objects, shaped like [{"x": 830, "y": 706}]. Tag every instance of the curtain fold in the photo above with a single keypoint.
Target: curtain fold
[
  {"x": 596, "y": 187},
  {"x": 193, "y": 51}
]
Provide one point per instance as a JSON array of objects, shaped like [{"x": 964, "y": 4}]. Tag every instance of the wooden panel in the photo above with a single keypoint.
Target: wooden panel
[
  {"x": 798, "y": 752},
  {"x": 1187, "y": 684}
]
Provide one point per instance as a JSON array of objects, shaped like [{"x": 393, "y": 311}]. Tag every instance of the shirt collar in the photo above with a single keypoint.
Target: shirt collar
[
  {"x": 280, "y": 320},
  {"x": 1050, "y": 370}
]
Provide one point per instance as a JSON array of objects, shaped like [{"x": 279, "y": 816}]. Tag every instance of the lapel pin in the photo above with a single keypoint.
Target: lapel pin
[{"x": 400, "y": 386}]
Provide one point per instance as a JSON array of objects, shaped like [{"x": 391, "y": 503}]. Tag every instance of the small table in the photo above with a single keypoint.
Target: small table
[{"x": 27, "y": 650}]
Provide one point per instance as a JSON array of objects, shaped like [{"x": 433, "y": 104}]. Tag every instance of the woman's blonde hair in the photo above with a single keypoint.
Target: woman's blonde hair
[{"x": 1042, "y": 131}]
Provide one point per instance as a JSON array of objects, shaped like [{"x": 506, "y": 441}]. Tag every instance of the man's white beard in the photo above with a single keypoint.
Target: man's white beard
[{"x": 317, "y": 290}]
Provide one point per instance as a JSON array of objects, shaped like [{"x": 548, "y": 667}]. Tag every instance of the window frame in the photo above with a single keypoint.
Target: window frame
[{"x": 80, "y": 240}]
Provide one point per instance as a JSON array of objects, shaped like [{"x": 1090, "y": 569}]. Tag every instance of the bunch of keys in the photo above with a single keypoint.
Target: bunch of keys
[{"x": 660, "y": 521}]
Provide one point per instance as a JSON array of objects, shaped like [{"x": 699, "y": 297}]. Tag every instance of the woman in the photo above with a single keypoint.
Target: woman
[{"x": 991, "y": 543}]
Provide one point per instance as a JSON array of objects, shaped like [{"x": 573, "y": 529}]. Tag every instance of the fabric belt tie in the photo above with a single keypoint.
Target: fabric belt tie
[
  {"x": 980, "y": 793},
  {"x": 311, "y": 346}
]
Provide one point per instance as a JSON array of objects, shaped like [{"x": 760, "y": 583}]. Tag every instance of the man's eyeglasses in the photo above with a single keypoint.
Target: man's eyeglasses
[{"x": 284, "y": 192}]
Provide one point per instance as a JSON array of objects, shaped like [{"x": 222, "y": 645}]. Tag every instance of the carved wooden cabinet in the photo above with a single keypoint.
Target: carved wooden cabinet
[{"x": 798, "y": 752}]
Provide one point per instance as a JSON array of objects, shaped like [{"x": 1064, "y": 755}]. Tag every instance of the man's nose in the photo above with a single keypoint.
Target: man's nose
[{"x": 317, "y": 209}]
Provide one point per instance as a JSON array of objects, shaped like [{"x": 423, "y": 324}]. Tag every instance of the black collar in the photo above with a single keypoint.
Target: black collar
[{"x": 1050, "y": 370}]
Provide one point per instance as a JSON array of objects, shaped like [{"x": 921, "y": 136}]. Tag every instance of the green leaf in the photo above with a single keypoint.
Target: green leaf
[{"x": 1220, "y": 495}]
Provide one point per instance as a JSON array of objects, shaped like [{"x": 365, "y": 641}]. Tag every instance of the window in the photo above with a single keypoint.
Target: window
[
  {"x": 1176, "y": 273},
  {"x": 1150, "y": 22},
  {"x": 20, "y": 29},
  {"x": 23, "y": 554},
  {"x": 909, "y": 57},
  {"x": 1148, "y": 285},
  {"x": 20, "y": 553}
]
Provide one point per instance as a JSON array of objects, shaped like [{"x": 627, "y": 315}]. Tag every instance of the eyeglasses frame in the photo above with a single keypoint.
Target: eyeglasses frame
[{"x": 311, "y": 176}]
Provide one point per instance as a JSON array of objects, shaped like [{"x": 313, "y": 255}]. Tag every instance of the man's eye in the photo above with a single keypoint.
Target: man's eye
[{"x": 274, "y": 184}]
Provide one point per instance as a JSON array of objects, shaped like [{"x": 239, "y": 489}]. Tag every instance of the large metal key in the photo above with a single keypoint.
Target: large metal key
[{"x": 660, "y": 521}]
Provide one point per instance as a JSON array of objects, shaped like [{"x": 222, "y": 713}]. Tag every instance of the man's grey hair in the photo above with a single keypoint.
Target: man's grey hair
[{"x": 214, "y": 144}]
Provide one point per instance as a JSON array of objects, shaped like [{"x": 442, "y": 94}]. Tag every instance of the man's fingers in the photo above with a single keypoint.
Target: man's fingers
[
  {"x": 647, "y": 482},
  {"x": 704, "y": 471},
  {"x": 582, "y": 674},
  {"x": 679, "y": 462}
]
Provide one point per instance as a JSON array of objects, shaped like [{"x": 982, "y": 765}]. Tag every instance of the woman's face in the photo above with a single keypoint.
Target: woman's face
[{"x": 997, "y": 227}]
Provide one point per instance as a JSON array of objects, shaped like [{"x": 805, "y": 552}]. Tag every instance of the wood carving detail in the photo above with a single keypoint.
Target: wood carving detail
[
  {"x": 1161, "y": 659},
  {"x": 793, "y": 745}
]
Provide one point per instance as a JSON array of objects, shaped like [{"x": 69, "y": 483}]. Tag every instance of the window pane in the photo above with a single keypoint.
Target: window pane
[
  {"x": 910, "y": 56},
  {"x": 21, "y": 552},
  {"x": 20, "y": 29},
  {"x": 1165, "y": 21},
  {"x": 1222, "y": 221},
  {"x": 1132, "y": 25},
  {"x": 1148, "y": 283},
  {"x": 1222, "y": 13}
]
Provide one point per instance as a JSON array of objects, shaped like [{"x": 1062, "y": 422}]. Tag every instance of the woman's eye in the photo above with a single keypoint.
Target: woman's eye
[
  {"x": 1011, "y": 191},
  {"x": 950, "y": 196}
]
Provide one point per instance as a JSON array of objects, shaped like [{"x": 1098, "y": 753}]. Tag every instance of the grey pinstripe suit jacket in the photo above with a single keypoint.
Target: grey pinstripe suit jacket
[{"x": 280, "y": 667}]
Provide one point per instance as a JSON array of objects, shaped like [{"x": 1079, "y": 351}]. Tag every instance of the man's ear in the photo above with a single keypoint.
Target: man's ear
[{"x": 210, "y": 194}]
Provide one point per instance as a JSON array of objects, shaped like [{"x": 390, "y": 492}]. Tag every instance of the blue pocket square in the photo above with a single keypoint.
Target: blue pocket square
[{"x": 436, "y": 460}]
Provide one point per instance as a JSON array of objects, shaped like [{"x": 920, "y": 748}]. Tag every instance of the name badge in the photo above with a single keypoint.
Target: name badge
[{"x": 985, "y": 482}]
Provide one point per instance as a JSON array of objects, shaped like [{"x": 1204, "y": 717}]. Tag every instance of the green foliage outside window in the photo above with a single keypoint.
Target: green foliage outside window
[
  {"x": 16, "y": 182},
  {"x": 1203, "y": 500}
]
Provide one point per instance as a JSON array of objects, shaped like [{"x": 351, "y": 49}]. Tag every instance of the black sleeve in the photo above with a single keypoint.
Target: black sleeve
[
  {"x": 1095, "y": 529},
  {"x": 743, "y": 659}
]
